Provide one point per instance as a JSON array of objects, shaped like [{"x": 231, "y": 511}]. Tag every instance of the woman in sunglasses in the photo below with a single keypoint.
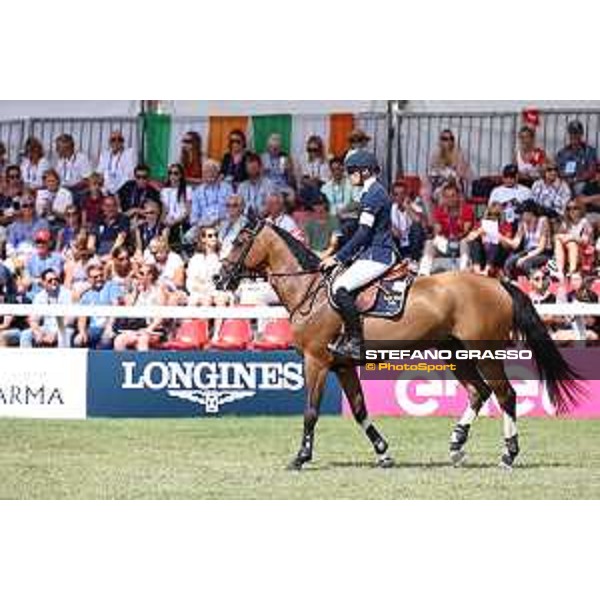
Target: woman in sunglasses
[
  {"x": 574, "y": 234},
  {"x": 528, "y": 157},
  {"x": 551, "y": 192},
  {"x": 313, "y": 167},
  {"x": 190, "y": 157},
  {"x": 447, "y": 163},
  {"x": 233, "y": 165},
  {"x": 176, "y": 198}
]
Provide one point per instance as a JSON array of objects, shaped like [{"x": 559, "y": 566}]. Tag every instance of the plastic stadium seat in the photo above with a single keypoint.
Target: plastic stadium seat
[
  {"x": 277, "y": 335},
  {"x": 235, "y": 334},
  {"x": 191, "y": 335}
]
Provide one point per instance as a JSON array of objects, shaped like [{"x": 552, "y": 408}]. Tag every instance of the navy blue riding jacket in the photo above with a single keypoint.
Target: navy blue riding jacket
[{"x": 373, "y": 238}]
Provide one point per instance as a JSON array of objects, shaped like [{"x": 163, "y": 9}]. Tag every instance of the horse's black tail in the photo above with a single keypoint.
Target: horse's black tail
[{"x": 561, "y": 379}]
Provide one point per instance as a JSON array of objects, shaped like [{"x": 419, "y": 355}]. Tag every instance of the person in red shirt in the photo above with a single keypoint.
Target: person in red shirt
[{"x": 453, "y": 219}]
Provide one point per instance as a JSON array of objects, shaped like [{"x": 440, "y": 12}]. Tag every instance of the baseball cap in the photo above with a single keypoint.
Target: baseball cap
[
  {"x": 43, "y": 235},
  {"x": 510, "y": 171}
]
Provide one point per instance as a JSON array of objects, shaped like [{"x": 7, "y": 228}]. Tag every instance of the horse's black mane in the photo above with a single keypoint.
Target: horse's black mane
[{"x": 307, "y": 258}]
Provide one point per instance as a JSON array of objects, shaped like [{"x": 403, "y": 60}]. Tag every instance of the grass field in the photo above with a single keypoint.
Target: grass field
[{"x": 245, "y": 458}]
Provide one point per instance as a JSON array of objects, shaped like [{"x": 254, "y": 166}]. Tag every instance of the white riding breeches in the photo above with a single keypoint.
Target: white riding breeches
[{"x": 359, "y": 274}]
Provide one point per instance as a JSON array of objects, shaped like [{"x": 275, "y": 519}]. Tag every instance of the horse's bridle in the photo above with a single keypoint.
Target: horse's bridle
[{"x": 235, "y": 271}]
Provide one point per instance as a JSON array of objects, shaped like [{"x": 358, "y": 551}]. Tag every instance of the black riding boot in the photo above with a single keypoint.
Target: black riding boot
[{"x": 349, "y": 344}]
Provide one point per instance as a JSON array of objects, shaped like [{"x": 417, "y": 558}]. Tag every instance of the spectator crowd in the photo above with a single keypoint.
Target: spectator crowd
[{"x": 111, "y": 234}]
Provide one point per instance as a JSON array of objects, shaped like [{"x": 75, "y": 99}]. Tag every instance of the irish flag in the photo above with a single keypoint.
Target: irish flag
[{"x": 163, "y": 134}]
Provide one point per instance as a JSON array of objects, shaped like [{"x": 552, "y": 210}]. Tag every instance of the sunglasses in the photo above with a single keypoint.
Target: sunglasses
[
  {"x": 312, "y": 150},
  {"x": 573, "y": 208},
  {"x": 187, "y": 141},
  {"x": 446, "y": 139},
  {"x": 13, "y": 176},
  {"x": 551, "y": 170},
  {"x": 41, "y": 243},
  {"x": 235, "y": 141},
  {"x": 52, "y": 280},
  {"x": 174, "y": 173},
  {"x": 232, "y": 205},
  {"x": 116, "y": 139},
  {"x": 27, "y": 205}
]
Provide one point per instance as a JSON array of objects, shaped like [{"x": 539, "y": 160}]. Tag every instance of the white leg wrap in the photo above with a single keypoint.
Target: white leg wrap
[
  {"x": 468, "y": 416},
  {"x": 510, "y": 427}
]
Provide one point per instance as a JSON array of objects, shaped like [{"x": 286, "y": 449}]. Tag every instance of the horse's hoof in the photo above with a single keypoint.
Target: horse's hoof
[
  {"x": 457, "y": 457},
  {"x": 507, "y": 462},
  {"x": 385, "y": 462},
  {"x": 298, "y": 463}
]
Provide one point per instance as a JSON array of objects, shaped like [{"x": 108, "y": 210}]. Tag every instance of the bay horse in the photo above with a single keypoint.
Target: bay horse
[{"x": 455, "y": 307}]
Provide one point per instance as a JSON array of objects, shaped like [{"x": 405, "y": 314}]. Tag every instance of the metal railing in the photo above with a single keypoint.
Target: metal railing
[{"x": 487, "y": 139}]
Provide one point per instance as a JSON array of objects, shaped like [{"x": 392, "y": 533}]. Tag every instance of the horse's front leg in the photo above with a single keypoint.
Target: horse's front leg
[
  {"x": 315, "y": 374},
  {"x": 352, "y": 387}
]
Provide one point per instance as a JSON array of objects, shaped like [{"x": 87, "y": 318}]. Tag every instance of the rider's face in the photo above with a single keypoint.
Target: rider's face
[{"x": 355, "y": 178}]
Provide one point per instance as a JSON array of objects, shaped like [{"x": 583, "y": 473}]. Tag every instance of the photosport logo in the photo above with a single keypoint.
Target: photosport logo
[{"x": 212, "y": 383}]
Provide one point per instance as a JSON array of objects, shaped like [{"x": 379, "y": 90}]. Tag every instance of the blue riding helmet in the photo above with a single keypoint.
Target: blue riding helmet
[{"x": 359, "y": 160}]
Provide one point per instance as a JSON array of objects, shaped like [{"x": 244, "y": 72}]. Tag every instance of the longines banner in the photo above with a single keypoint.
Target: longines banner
[
  {"x": 187, "y": 384},
  {"x": 43, "y": 384}
]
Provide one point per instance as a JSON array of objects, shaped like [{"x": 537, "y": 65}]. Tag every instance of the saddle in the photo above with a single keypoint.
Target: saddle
[{"x": 385, "y": 296}]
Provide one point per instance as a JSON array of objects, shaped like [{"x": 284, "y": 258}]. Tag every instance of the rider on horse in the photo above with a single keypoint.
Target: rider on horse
[{"x": 370, "y": 252}]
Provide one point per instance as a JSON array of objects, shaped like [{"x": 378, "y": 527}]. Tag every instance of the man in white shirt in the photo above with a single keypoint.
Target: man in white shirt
[
  {"x": 73, "y": 167},
  {"x": 117, "y": 164},
  {"x": 52, "y": 200},
  {"x": 510, "y": 194},
  {"x": 48, "y": 331}
]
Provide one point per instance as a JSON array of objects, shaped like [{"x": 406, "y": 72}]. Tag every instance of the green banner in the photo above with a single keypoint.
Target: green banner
[
  {"x": 157, "y": 132},
  {"x": 264, "y": 125}
]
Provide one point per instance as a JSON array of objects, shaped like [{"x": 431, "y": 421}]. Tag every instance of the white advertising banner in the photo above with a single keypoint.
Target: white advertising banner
[{"x": 43, "y": 383}]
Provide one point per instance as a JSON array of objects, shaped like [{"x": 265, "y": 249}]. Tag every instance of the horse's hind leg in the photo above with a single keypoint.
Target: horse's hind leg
[
  {"x": 478, "y": 392},
  {"x": 495, "y": 375},
  {"x": 352, "y": 388}
]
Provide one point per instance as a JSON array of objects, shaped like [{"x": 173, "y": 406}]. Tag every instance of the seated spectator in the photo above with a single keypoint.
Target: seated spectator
[
  {"x": 539, "y": 280},
  {"x": 531, "y": 247},
  {"x": 73, "y": 227},
  {"x": 338, "y": 190},
  {"x": 202, "y": 267},
  {"x": 21, "y": 232},
  {"x": 113, "y": 229},
  {"x": 149, "y": 225},
  {"x": 358, "y": 140},
  {"x": 52, "y": 200},
  {"x": 257, "y": 187},
  {"x": 171, "y": 269},
  {"x": 578, "y": 328},
  {"x": 3, "y": 159},
  {"x": 120, "y": 275},
  {"x": 190, "y": 157},
  {"x": 46, "y": 331},
  {"x": 590, "y": 197},
  {"x": 233, "y": 164},
  {"x": 275, "y": 213},
  {"x": 209, "y": 198},
  {"x": 10, "y": 292},
  {"x": 574, "y": 233},
  {"x": 176, "y": 198},
  {"x": 134, "y": 193},
  {"x": 94, "y": 332},
  {"x": 117, "y": 163},
  {"x": 453, "y": 220},
  {"x": 34, "y": 164},
  {"x": 73, "y": 167},
  {"x": 42, "y": 259},
  {"x": 551, "y": 193},
  {"x": 140, "y": 334},
  {"x": 77, "y": 259},
  {"x": 312, "y": 167},
  {"x": 321, "y": 226},
  {"x": 235, "y": 220},
  {"x": 447, "y": 163},
  {"x": 486, "y": 252},
  {"x": 407, "y": 223},
  {"x": 510, "y": 195},
  {"x": 12, "y": 191},
  {"x": 278, "y": 166},
  {"x": 529, "y": 158},
  {"x": 577, "y": 160}
]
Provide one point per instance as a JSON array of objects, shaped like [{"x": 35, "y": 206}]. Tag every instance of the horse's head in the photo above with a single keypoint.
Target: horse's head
[{"x": 247, "y": 255}]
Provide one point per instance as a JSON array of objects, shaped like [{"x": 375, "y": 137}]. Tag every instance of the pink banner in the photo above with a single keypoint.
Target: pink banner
[{"x": 446, "y": 397}]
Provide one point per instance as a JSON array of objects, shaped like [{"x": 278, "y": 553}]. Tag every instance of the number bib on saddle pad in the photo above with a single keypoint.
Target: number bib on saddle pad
[{"x": 386, "y": 296}]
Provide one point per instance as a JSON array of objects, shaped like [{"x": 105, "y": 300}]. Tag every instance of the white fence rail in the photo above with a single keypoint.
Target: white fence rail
[{"x": 233, "y": 312}]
